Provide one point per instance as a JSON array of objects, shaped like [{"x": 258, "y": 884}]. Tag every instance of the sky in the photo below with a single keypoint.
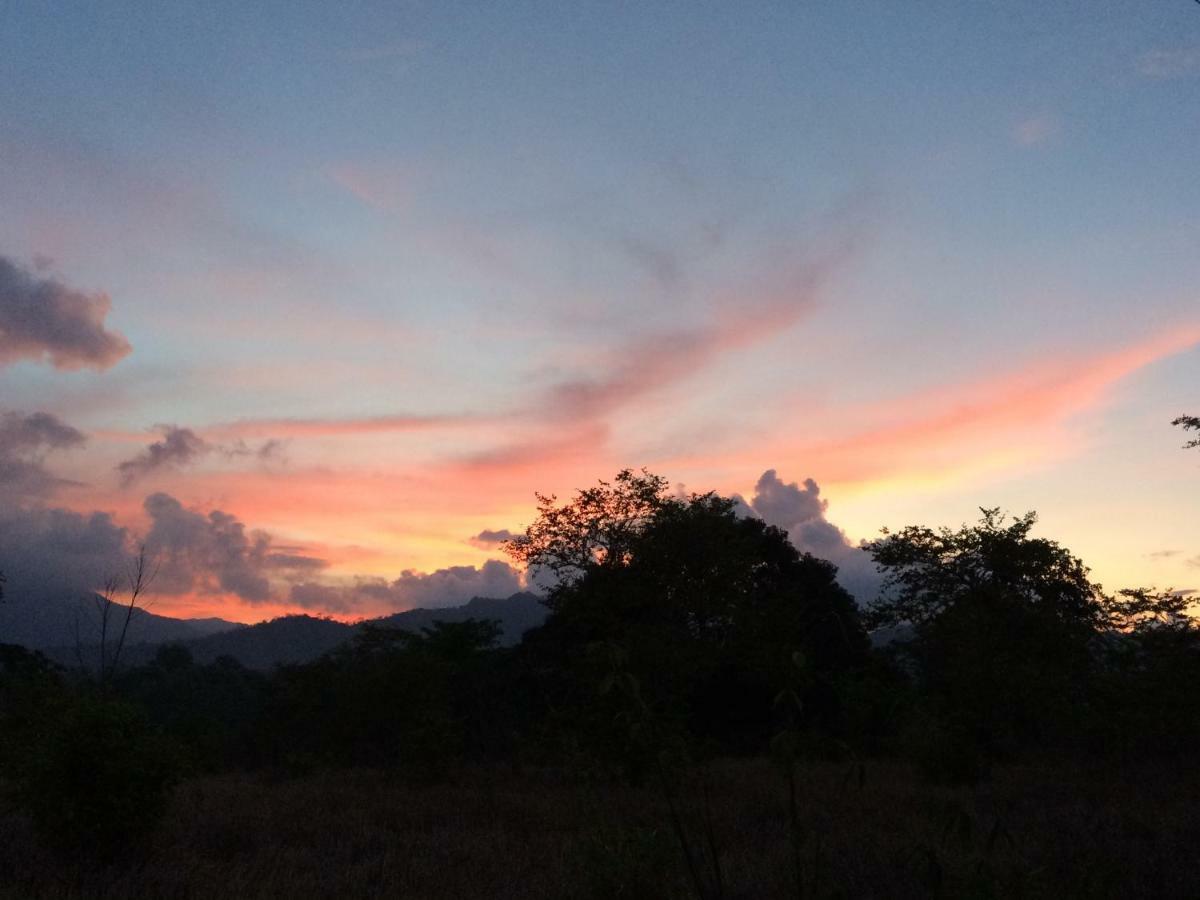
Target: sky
[{"x": 311, "y": 299}]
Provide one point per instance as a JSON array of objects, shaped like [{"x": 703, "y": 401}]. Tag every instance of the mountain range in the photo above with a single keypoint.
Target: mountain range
[
  {"x": 41, "y": 621},
  {"x": 67, "y": 629}
]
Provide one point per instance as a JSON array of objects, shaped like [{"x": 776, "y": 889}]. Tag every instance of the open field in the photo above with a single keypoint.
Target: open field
[{"x": 1028, "y": 832}]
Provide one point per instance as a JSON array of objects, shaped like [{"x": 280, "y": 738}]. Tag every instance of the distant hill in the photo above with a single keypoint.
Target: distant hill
[
  {"x": 42, "y": 622},
  {"x": 289, "y": 639},
  {"x": 298, "y": 639},
  {"x": 516, "y": 615},
  {"x": 212, "y": 626}
]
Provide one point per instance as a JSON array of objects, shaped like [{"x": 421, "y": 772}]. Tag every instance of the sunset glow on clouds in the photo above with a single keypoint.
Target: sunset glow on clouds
[{"x": 315, "y": 321}]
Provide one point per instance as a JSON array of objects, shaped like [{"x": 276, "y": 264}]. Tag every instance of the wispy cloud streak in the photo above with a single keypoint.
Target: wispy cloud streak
[
  {"x": 335, "y": 427},
  {"x": 991, "y": 421}
]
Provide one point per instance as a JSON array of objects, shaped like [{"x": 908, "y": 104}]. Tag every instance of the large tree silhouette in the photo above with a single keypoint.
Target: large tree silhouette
[
  {"x": 1009, "y": 628},
  {"x": 932, "y": 573},
  {"x": 708, "y": 609},
  {"x": 1003, "y": 622}
]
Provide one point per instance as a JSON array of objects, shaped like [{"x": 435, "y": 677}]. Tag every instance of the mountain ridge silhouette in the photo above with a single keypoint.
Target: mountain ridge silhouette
[{"x": 295, "y": 639}]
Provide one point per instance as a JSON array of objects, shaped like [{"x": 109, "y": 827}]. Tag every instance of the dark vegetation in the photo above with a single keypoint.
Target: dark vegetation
[
  {"x": 1189, "y": 423},
  {"x": 703, "y": 713}
]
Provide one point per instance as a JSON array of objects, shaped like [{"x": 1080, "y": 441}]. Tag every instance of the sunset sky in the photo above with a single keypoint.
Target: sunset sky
[{"x": 312, "y": 298}]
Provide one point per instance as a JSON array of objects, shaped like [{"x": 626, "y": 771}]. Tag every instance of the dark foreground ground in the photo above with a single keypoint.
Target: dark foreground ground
[{"x": 1052, "y": 831}]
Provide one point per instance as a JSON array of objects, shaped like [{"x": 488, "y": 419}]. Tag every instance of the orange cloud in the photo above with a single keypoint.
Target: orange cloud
[
  {"x": 996, "y": 422},
  {"x": 573, "y": 417}
]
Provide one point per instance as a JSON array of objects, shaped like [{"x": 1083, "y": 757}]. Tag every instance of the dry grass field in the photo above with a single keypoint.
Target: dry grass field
[{"x": 1028, "y": 832}]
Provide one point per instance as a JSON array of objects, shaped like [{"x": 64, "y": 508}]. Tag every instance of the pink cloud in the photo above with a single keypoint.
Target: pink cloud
[{"x": 997, "y": 421}]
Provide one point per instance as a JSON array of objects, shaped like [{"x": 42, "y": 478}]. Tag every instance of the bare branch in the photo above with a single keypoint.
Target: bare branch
[{"x": 140, "y": 573}]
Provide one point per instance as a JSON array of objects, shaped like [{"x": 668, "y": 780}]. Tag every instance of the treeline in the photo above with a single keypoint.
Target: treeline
[{"x": 678, "y": 632}]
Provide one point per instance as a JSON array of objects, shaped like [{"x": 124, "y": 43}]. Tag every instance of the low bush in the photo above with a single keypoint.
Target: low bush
[{"x": 98, "y": 779}]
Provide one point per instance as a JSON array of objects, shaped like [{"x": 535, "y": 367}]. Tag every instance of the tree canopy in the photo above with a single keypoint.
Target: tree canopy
[
  {"x": 596, "y": 529},
  {"x": 1014, "y": 644},
  {"x": 627, "y": 554},
  {"x": 929, "y": 571},
  {"x": 1189, "y": 423},
  {"x": 706, "y": 609}
]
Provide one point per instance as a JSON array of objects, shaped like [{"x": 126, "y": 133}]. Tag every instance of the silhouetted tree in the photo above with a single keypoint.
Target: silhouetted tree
[
  {"x": 706, "y": 607},
  {"x": 136, "y": 579},
  {"x": 1188, "y": 423},
  {"x": 31, "y": 692},
  {"x": 98, "y": 778},
  {"x": 212, "y": 710},
  {"x": 595, "y": 530},
  {"x": 1140, "y": 611},
  {"x": 1148, "y": 666},
  {"x": 1009, "y": 629},
  {"x": 91, "y": 773},
  {"x": 391, "y": 697},
  {"x": 929, "y": 573},
  {"x": 1003, "y": 623}
]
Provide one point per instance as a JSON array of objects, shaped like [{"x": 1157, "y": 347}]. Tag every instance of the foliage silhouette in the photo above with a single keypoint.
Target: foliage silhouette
[
  {"x": 1003, "y": 625},
  {"x": 929, "y": 573},
  {"x": 596, "y": 529},
  {"x": 214, "y": 711},
  {"x": 1189, "y": 423},
  {"x": 708, "y": 608},
  {"x": 32, "y": 692},
  {"x": 391, "y": 698},
  {"x": 95, "y": 778},
  {"x": 678, "y": 632},
  {"x": 1013, "y": 641}
]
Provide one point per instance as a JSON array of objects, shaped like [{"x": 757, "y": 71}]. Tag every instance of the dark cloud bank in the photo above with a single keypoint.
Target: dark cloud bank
[
  {"x": 42, "y": 319},
  {"x": 47, "y": 551},
  {"x": 25, "y": 441},
  {"x": 57, "y": 552},
  {"x": 215, "y": 553},
  {"x": 180, "y": 447},
  {"x": 489, "y": 539},
  {"x": 452, "y": 586}
]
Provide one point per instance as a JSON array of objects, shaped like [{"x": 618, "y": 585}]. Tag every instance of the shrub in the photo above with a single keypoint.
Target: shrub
[{"x": 97, "y": 780}]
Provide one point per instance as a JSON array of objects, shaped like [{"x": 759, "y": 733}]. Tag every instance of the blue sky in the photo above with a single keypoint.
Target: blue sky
[{"x": 849, "y": 224}]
